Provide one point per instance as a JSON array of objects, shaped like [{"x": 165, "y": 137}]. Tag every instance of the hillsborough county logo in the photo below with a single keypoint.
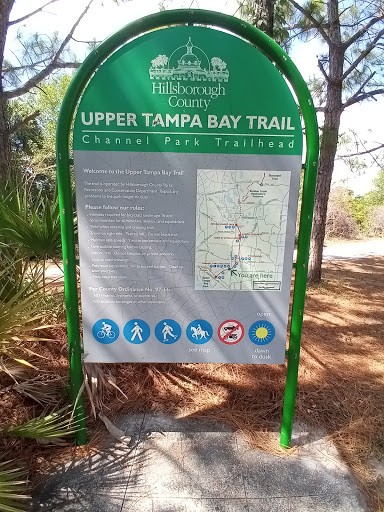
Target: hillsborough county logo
[
  {"x": 188, "y": 63},
  {"x": 193, "y": 64}
]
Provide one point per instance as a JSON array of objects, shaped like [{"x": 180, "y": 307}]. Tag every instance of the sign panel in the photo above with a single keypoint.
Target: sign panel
[{"x": 187, "y": 148}]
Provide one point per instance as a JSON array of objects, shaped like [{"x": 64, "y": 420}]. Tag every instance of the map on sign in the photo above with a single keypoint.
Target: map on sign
[{"x": 241, "y": 222}]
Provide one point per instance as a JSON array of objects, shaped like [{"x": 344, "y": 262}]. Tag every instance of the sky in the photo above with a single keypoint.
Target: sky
[{"x": 105, "y": 17}]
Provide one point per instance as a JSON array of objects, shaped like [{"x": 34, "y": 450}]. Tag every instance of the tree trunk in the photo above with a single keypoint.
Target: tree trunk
[
  {"x": 328, "y": 149},
  {"x": 5, "y": 10},
  {"x": 5, "y": 163},
  {"x": 270, "y": 18},
  {"x": 264, "y": 15},
  {"x": 328, "y": 146}
]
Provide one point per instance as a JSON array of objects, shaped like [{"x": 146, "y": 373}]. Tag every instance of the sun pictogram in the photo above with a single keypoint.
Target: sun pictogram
[{"x": 261, "y": 332}]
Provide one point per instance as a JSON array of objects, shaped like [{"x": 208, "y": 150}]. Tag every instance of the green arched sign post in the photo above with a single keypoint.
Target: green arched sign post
[{"x": 187, "y": 148}]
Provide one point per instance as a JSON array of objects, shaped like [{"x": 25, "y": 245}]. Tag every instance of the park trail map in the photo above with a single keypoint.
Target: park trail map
[{"x": 241, "y": 222}]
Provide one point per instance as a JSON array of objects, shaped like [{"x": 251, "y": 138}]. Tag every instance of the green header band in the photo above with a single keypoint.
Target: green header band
[{"x": 192, "y": 90}]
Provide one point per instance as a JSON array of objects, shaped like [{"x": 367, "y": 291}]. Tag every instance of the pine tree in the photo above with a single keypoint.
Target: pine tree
[
  {"x": 352, "y": 72},
  {"x": 41, "y": 56}
]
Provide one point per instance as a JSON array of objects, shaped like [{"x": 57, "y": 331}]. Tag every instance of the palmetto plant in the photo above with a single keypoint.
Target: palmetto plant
[
  {"x": 55, "y": 425},
  {"x": 37, "y": 234},
  {"x": 29, "y": 235},
  {"x": 50, "y": 428},
  {"x": 14, "y": 495},
  {"x": 46, "y": 392},
  {"x": 30, "y": 227},
  {"x": 19, "y": 314},
  {"x": 15, "y": 272}
]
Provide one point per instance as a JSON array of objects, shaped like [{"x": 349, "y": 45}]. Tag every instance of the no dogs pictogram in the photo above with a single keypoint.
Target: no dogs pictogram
[{"x": 230, "y": 332}]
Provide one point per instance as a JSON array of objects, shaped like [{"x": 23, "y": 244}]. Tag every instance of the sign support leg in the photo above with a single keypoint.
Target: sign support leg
[
  {"x": 303, "y": 245},
  {"x": 291, "y": 382},
  {"x": 70, "y": 291}
]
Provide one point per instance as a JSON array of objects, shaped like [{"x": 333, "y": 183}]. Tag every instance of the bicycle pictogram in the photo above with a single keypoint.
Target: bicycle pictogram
[
  {"x": 101, "y": 334},
  {"x": 105, "y": 331}
]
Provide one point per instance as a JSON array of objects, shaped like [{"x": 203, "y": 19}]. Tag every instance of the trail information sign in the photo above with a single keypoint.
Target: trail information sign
[{"x": 187, "y": 150}]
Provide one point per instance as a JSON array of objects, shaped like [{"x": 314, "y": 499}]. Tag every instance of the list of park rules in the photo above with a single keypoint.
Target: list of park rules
[
  {"x": 131, "y": 231},
  {"x": 123, "y": 231}
]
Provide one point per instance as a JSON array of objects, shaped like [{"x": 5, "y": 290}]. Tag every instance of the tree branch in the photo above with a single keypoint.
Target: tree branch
[
  {"x": 362, "y": 31},
  {"x": 356, "y": 98},
  {"x": 321, "y": 67},
  {"x": 361, "y": 88},
  {"x": 54, "y": 64},
  {"x": 241, "y": 5},
  {"x": 13, "y": 22},
  {"x": 26, "y": 66},
  {"x": 309, "y": 16},
  {"x": 363, "y": 54},
  {"x": 67, "y": 65},
  {"x": 24, "y": 121},
  {"x": 297, "y": 34},
  {"x": 87, "y": 42},
  {"x": 362, "y": 152},
  {"x": 353, "y": 25}
]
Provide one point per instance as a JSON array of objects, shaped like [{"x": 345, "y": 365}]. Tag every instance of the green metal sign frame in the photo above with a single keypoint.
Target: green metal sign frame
[{"x": 285, "y": 65}]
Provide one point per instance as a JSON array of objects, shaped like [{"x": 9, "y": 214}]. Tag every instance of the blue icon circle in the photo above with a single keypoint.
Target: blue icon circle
[
  {"x": 199, "y": 332},
  {"x": 167, "y": 331},
  {"x": 261, "y": 332},
  {"x": 105, "y": 331},
  {"x": 136, "y": 331}
]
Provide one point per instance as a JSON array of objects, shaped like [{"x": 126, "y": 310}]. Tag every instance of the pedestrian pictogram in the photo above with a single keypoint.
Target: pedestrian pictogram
[
  {"x": 168, "y": 331},
  {"x": 199, "y": 332},
  {"x": 136, "y": 331},
  {"x": 230, "y": 332}
]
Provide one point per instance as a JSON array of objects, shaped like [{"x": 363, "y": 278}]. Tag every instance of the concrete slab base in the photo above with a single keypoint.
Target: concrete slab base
[{"x": 187, "y": 465}]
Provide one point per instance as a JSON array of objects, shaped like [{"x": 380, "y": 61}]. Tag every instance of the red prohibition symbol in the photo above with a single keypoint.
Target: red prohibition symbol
[{"x": 230, "y": 332}]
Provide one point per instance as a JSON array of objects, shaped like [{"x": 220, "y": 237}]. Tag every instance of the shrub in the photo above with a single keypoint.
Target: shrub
[
  {"x": 376, "y": 221},
  {"x": 360, "y": 210},
  {"x": 340, "y": 222}
]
